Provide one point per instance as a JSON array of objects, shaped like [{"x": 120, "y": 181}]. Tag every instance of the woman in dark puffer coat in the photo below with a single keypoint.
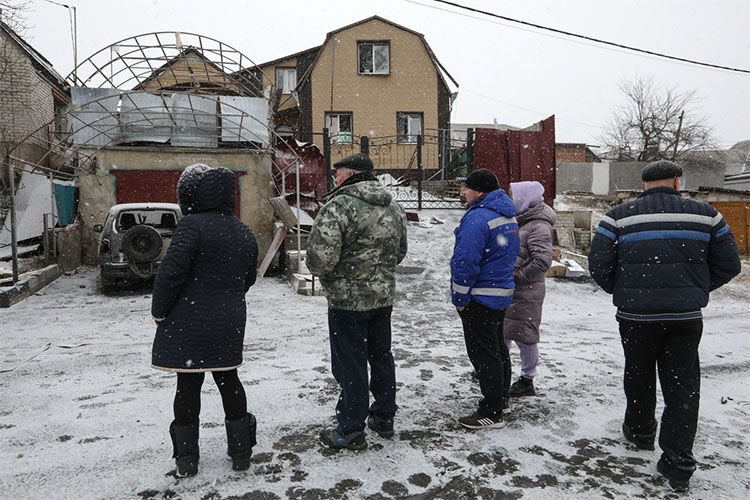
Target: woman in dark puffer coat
[
  {"x": 535, "y": 220},
  {"x": 199, "y": 306}
]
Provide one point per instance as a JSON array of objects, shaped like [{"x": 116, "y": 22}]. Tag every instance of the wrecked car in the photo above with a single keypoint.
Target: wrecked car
[{"x": 134, "y": 238}]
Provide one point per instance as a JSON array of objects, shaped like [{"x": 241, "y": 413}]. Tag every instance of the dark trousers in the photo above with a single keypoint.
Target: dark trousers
[
  {"x": 483, "y": 333},
  {"x": 672, "y": 348},
  {"x": 358, "y": 338},
  {"x": 187, "y": 400}
]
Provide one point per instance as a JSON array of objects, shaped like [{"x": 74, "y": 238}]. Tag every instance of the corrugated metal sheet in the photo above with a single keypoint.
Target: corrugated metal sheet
[
  {"x": 244, "y": 119},
  {"x": 195, "y": 121},
  {"x": 95, "y": 116},
  {"x": 144, "y": 118}
]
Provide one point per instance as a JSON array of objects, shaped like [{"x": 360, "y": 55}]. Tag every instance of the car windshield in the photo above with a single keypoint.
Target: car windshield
[{"x": 160, "y": 219}]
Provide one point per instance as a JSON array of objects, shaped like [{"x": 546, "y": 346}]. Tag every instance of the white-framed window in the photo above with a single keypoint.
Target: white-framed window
[
  {"x": 339, "y": 126},
  {"x": 286, "y": 79},
  {"x": 408, "y": 127},
  {"x": 374, "y": 58}
]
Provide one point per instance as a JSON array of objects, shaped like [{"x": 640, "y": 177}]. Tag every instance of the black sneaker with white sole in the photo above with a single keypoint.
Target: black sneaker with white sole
[
  {"x": 506, "y": 407},
  {"x": 478, "y": 421}
]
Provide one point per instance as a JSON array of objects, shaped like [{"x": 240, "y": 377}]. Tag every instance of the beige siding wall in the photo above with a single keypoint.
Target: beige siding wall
[
  {"x": 374, "y": 100},
  {"x": 269, "y": 79},
  {"x": 97, "y": 191}
]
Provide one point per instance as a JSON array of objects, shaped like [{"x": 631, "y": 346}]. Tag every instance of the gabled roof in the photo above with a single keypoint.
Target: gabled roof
[
  {"x": 188, "y": 55},
  {"x": 438, "y": 66},
  {"x": 290, "y": 56},
  {"x": 39, "y": 61}
]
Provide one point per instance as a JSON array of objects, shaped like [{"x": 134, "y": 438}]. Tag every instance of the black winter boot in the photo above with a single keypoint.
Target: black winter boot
[
  {"x": 522, "y": 387},
  {"x": 185, "y": 443},
  {"x": 240, "y": 440}
]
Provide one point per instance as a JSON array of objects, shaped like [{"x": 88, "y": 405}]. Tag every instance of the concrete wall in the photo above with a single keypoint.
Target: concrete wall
[
  {"x": 97, "y": 189},
  {"x": 574, "y": 177},
  {"x": 608, "y": 178},
  {"x": 68, "y": 247}
]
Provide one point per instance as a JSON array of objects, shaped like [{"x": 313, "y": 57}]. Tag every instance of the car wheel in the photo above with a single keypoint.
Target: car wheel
[{"x": 142, "y": 244}]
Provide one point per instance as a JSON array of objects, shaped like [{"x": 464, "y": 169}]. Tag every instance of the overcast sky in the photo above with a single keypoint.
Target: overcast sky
[{"x": 507, "y": 73}]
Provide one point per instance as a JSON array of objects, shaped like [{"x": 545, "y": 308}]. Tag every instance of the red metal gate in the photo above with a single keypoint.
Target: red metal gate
[
  {"x": 519, "y": 155},
  {"x": 138, "y": 186}
]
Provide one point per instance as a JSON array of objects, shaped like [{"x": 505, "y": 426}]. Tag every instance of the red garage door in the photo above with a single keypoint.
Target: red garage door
[{"x": 137, "y": 186}]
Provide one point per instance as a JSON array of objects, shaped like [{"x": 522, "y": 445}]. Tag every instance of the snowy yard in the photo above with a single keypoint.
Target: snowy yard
[{"x": 87, "y": 417}]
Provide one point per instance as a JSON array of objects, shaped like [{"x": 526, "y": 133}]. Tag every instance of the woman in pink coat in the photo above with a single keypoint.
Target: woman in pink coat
[{"x": 535, "y": 220}]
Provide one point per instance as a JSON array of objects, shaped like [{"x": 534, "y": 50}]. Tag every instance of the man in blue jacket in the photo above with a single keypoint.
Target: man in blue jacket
[
  {"x": 485, "y": 252},
  {"x": 660, "y": 256}
]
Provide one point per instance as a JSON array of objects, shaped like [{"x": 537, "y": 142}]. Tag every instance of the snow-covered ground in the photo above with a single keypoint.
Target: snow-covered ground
[{"x": 83, "y": 416}]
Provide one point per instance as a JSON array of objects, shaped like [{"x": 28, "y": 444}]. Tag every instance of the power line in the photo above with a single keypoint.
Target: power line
[
  {"x": 530, "y": 110},
  {"x": 596, "y": 40}
]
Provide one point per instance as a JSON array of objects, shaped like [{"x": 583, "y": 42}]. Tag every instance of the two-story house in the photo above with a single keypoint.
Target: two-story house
[{"x": 373, "y": 78}]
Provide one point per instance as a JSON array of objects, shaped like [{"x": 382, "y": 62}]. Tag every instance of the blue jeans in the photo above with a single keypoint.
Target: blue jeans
[{"x": 358, "y": 338}]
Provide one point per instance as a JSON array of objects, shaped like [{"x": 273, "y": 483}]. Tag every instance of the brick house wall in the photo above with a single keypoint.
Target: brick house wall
[
  {"x": 26, "y": 100},
  {"x": 570, "y": 153}
]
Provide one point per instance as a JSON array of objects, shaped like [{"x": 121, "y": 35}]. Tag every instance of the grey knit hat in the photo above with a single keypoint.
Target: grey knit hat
[{"x": 662, "y": 169}]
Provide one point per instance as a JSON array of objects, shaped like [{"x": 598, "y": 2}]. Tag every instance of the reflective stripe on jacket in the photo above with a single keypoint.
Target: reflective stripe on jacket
[{"x": 485, "y": 252}]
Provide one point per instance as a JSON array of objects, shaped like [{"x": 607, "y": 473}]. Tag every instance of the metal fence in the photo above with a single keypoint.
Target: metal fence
[{"x": 422, "y": 171}]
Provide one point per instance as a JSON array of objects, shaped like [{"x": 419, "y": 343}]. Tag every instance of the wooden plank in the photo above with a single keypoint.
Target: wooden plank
[
  {"x": 283, "y": 211},
  {"x": 275, "y": 244}
]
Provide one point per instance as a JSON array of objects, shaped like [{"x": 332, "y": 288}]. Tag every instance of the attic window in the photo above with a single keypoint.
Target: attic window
[
  {"x": 374, "y": 58},
  {"x": 286, "y": 79}
]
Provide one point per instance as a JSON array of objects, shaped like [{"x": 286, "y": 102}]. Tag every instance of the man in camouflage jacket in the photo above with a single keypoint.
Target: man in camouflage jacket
[{"x": 357, "y": 240}]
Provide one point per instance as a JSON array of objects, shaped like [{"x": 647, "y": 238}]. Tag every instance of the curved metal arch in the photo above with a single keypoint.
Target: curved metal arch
[{"x": 132, "y": 62}]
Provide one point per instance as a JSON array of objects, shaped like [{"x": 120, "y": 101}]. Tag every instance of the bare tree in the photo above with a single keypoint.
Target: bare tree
[
  {"x": 13, "y": 14},
  {"x": 656, "y": 123}
]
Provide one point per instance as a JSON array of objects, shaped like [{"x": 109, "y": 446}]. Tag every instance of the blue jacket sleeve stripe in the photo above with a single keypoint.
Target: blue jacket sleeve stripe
[
  {"x": 665, "y": 235},
  {"x": 460, "y": 289},
  {"x": 605, "y": 232},
  {"x": 721, "y": 232}
]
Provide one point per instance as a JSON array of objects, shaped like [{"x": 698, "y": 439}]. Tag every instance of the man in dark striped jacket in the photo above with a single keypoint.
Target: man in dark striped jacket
[{"x": 660, "y": 256}]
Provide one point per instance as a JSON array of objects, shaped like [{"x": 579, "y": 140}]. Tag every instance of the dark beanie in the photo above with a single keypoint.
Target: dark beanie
[
  {"x": 662, "y": 169},
  {"x": 482, "y": 180},
  {"x": 358, "y": 161}
]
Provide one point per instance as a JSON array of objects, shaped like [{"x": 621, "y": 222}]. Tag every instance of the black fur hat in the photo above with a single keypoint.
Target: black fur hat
[
  {"x": 482, "y": 180},
  {"x": 662, "y": 169}
]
